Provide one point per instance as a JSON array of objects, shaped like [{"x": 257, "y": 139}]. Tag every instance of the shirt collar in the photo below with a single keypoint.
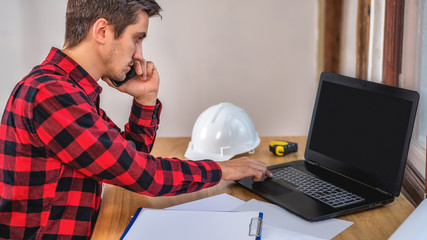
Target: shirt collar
[{"x": 76, "y": 73}]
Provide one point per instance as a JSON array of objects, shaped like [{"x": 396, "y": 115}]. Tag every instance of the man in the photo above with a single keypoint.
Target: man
[{"x": 57, "y": 146}]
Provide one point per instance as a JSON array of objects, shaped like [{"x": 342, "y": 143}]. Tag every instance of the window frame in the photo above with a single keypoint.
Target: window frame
[{"x": 415, "y": 176}]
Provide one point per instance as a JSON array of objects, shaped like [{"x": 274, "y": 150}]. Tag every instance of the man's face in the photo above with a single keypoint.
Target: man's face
[{"x": 127, "y": 49}]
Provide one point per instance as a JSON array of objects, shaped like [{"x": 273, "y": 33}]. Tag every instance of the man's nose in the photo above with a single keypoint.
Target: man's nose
[{"x": 137, "y": 55}]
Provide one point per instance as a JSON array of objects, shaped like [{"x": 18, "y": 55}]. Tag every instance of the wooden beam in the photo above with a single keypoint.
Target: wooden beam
[
  {"x": 362, "y": 41},
  {"x": 393, "y": 41},
  {"x": 333, "y": 11},
  {"x": 412, "y": 185}
]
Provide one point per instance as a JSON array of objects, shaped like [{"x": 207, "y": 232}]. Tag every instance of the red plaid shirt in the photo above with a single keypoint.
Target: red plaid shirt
[{"x": 57, "y": 146}]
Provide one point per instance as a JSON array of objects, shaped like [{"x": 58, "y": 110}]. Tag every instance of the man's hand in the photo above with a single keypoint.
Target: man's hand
[
  {"x": 236, "y": 169},
  {"x": 144, "y": 86}
]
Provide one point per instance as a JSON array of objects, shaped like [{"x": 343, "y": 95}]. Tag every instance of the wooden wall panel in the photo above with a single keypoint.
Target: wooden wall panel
[
  {"x": 393, "y": 41},
  {"x": 362, "y": 41},
  {"x": 333, "y": 10}
]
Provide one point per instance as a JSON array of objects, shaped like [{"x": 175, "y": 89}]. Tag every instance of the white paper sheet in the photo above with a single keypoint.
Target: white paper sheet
[
  {"x": 279, "y": 224},
  {"x": 221, "y": 202},
  {"x": 274, "y": 233},
  {"x": 414, "y": 227},
  {"x": 279, "y": 217}
]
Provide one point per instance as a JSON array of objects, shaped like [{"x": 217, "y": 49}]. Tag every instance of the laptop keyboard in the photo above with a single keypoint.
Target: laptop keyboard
[{"x": 314, "y": 187}]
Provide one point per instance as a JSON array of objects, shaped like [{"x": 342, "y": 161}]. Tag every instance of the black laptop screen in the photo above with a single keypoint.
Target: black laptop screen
[{"x": 362, "y": 130}]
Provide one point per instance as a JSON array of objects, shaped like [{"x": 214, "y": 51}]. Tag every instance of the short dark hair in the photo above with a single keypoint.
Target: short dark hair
[{"x": 81, "y": 14}]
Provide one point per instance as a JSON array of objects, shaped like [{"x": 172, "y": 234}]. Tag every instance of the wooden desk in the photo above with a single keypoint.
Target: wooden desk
[{"x": 118, "y": 204}]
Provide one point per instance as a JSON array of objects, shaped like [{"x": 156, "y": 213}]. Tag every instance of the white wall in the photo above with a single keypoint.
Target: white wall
[
  {"x": 28, "y": 29},
  {"x": 259, "y": 55}
]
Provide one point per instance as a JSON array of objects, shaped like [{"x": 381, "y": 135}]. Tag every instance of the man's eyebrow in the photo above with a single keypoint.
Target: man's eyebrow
[{"x": 141, "y": 34}]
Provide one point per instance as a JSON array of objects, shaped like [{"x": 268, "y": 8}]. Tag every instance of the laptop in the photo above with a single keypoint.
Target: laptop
[{"x": 355, "y": 154}]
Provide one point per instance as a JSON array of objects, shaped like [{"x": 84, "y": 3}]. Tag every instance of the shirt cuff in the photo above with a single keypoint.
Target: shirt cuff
[
  {"x": 218, "y": 175},
  {"x": 211, "y": 173},
  {"x": 146, "y": 115}
]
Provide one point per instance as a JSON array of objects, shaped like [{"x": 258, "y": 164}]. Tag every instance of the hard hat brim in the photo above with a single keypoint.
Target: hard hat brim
[{"x": 202, "y": 156}]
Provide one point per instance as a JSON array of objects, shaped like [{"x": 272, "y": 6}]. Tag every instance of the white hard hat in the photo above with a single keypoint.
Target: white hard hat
[{"x": 221, "y": 132}]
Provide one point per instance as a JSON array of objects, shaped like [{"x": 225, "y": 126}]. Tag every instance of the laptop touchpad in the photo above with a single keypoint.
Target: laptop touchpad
[{"x": 271, "y": 187}]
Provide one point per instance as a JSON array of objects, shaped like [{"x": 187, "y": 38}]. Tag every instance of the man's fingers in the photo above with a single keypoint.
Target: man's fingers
[
  {"x": 258, "y": 176},
  {"x": 141, "y": 68},
  {"x": 244, "y": 167},
  {"x": 149, "y": 66},
  {"x": 138, "y": 67},
  {"x": 268, "y": 174},
  {"x": 144, "y": 70}
]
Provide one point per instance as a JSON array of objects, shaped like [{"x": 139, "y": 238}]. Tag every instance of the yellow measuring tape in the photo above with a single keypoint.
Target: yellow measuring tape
[{"x": 281, "y": 148}]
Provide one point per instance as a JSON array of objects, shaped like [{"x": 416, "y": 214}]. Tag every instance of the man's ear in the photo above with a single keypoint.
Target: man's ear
[{"x": 101, "y": 31}]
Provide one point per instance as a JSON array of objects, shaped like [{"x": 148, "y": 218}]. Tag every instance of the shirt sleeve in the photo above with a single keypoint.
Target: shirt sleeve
[
  {"x": 72, "y": 129},
  {"x": 142, "y": 126}
]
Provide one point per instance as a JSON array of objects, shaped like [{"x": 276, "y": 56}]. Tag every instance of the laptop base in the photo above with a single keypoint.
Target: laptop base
[{"x": 309, "y": 208}]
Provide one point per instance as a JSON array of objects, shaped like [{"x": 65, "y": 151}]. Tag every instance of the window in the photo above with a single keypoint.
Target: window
[
  {"x": 414, "y": 76},
  {"x": 422, "y": 127}
]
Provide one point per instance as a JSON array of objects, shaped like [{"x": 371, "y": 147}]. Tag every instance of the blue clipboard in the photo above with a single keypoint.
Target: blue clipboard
[
  {"x": 150, "y": 219},
  {"x": 131, "y": 223}
]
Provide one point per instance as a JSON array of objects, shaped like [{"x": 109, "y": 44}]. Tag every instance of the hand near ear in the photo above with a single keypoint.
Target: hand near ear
[{"x": 143, "y": 87}]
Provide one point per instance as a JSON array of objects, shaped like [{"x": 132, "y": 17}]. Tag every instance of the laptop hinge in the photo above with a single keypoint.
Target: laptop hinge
[
  {"x": 312, "y": 162},
  {"x": 382, "y": 191}
]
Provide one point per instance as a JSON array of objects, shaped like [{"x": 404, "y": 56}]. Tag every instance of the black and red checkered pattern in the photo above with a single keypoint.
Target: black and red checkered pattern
[{"x": 57, "y": 146}]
